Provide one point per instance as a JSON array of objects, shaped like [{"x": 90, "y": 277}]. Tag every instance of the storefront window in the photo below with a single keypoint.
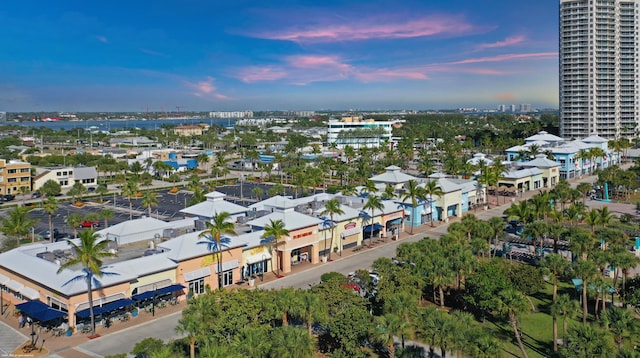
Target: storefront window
[{"x": 197, "y": 286}]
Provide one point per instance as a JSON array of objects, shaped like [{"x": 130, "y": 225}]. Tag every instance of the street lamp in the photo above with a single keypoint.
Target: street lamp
[{"x": 153, "y": 302}]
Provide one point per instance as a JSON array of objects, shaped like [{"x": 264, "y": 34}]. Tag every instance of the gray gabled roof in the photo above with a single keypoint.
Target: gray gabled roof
[
  {"x": 191, "y": 245},
  {"x": 541, "y": 161},
  {"x": 594, "y": 138},
  {"x": 542, "y": 135},
  {"x": 393, "y": 175},
  {"x": 293, "y": 220},
  {"x": 522, "y": 173},
  {"x": 80, "y": 173}
]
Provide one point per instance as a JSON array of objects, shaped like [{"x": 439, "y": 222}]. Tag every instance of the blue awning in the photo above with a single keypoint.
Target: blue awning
[
  {"x": 39, "y": 311},
  {"x": 397, "y": 221},
  {"x": 374, "y": 227},
  {"x": 159, "y": 292},
  {"x": 107, "y": 307}
]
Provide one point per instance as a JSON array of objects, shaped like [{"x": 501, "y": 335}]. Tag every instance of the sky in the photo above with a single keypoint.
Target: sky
[{"x": 214, "y": 55}]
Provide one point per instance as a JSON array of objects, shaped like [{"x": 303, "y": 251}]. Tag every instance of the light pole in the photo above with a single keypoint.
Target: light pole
[{"x": 153, "y": 302}]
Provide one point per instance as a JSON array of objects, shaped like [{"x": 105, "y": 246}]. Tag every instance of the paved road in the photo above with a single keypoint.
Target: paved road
[
  {"x": 123, "y": 341},
  {"x": 10, "y": 339}
]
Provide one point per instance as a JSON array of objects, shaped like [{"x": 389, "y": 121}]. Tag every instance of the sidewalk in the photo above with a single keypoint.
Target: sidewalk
[{"x": 64, "y": 346}]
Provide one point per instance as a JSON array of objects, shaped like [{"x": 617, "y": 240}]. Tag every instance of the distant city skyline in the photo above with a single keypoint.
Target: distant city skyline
[{"x": 285, "y": 55}]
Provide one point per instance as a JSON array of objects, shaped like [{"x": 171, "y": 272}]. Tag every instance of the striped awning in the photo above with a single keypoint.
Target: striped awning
[
  {"x": 29, "y": 293},
  {"x": 194, "y": 275},
  {"x": 230, "y": 265},
  {"x": 3, "y": 279},
  {"x": 258, "y": 257},
  {"x": 349, "y": 232},
  {"x": 14, "y": 286}
]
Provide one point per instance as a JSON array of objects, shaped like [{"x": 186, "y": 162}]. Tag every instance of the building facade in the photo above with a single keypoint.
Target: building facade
[
  {"x": 13, "y": 176},
  {"x": 599, "y": 59},
  {"x": 358, "y": 133}
]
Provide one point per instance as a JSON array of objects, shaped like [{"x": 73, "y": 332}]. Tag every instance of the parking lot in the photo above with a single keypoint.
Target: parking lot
[{"x": 168, "y": 207}]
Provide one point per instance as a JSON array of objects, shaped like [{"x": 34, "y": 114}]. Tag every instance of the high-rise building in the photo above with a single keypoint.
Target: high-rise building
[{"x": 599, "y": 59}]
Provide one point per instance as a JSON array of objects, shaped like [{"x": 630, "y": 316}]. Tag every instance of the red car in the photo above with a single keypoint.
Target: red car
[{"x": 91, "y": 224}]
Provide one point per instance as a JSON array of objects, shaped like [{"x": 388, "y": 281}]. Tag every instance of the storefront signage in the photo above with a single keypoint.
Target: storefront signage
[{"x": 350, "y": 225}]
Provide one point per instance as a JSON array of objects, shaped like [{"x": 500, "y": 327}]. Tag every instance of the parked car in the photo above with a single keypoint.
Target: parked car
[
  {"x": 8, "y": 197},
  {"x": 36, "y": 195},
  {"x": 88, "y": 223},
  {"x": 47, "y": 234}
]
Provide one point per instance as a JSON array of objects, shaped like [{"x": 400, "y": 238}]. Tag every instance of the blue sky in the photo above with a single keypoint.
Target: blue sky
[{"x": 276, "y": 55}]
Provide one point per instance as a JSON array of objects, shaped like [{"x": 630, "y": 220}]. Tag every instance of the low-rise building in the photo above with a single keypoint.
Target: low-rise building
[
  {"x": 66, "y": 176},
  {"x": 14, "y": 174}
]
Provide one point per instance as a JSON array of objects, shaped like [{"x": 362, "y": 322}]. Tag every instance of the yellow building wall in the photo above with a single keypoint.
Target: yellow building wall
[{"x": 208, "y": 261}]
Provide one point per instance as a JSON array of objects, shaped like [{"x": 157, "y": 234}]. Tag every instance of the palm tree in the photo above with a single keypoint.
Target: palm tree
[
  {"x": 89, "y": 253},
  {"x": 389, "y": 193},
  {"x": 130, "y": 190},
  {"x": 605, "y": 216},
  {"x": 50, "y": 206},
  {"x": 497, "y": 226},
  {"x": 332, "y": 208},
  {"x": 512, "y": 303},
  {"x": 586, "y": 270},
  {"x": 587, "y": 341},
  {"x": 17, "y": 223},
  {"x": 291, "y": 342},
  {"x": 431, "y": 189},
  {"x": 73, "y": 221},
  {"x": 258, "y": 192},
  {"x": 313, "y": 309},
  {"x": 276, "y": 230},
  {"x": 413, "y": 193},
  {"x": 584, "y": 189},
  {"x": 621, "y": 323},
  {"x": 150, "y": 199},
  {"x": 106, "y": 214},
  {"x": 556, "y": 265},
  {"x": 374, "y": 203},
  {"x": 102, "y": 190},
  {"x": 218, "y": 226},
  {"x": 567, "y": 308}
]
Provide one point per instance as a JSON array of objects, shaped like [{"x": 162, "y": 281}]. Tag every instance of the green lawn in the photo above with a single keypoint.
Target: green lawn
[{"x": 536, "y": 328}]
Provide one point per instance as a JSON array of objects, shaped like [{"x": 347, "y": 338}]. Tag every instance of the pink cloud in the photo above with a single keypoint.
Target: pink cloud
[
  {"x": 390, "y": 74},
  {"x": 257, "y": 73},
  {"x": 102, "y": 39},
  {"x": 507, "y": 57},
  {"x": 367, "y": 29},
  {"x": 509, "y": 41},
  {"x": 205, "y": 88},
  {"x": 505, "y": 96}
]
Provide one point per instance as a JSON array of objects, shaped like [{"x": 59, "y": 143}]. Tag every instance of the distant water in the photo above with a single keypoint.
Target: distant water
[{"x": 125, "y": 124}]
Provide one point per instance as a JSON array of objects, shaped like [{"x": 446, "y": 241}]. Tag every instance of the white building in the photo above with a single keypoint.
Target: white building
[
  {"x": 67, "y": 176},
  {"x": 599, "y": 60},
  {"x": 358, "y": 133}
]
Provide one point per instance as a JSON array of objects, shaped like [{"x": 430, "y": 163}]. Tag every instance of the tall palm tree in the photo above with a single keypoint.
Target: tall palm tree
[
  {"x": 431, "y": 189},
  {"x": 587, "y": 341},
  {"x": 587, "y": 271},
  {"x": 150, "y": 199},
  {"x": 218, "y": 225},
  {"x": 567, "y": 308},
  {"x": 89, "y": 253},
  {"x": 332, "y": 208},
  {"x": 130, "y": 190},
  {"x": 276, "y": 230},
  {"x": 584, "y": 189},
  {"x": 50, "y": 206},
  {"x": 556, "y": 265},
  {"x": 373, "y": 203},
  {"x": 291, "y": 342},
  {"x": 605, "y": 216},
  {"x": 414, "y": 193},
  {"x": 512, "y": 303},
  {"x": 497, "y": 226},
  {"x": 73, "y": 221}
]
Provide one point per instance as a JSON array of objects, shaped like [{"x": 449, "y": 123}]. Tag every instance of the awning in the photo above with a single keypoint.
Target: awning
[
  {"x": 159, "y": 292},
  {"x": 14, "y": 286},
  {"x": 29, "y": 293},
  {"x": 349, "y": 232},
  {"x": 374, "y": 227},
  {"x": 226, "y": 266},
  {"x": 107, "y": 307},
  {"x": 194, "y": 275},
  {"x": 397, "y": 221},
  {"x": 40, "y": 311},
  {"x": 3, "y": 279},
  {"x": 258, "y": 257}
]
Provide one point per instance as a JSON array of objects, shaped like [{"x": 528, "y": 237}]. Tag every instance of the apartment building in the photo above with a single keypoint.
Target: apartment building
[
  {"x": 599, "y": 59},
  {"x": 14, "y": 174}
]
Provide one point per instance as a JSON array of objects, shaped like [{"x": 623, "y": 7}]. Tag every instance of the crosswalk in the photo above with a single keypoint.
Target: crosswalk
[{"x": 10, "y": 339}]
